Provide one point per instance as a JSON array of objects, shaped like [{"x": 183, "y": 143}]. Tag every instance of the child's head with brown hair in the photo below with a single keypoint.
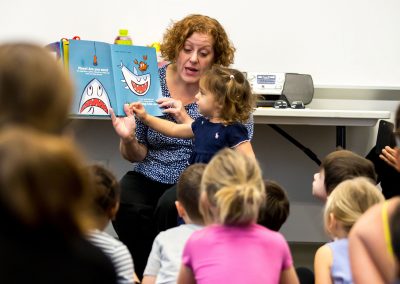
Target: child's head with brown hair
[
  {"x": 231, "y": 92},
  {"x": 339, "y": 166},
  {"x": 41, "y": 180},
  {"x": 350, "y": 199},
  {"x": 179, "y": 32},
  {"x": 105, "y": 192},
  {"x": 232, "y": 189},
  {"x": 34, "y": 89},
  {"x": 276, "y": 209},
  {"x": 188, "y": 193}
]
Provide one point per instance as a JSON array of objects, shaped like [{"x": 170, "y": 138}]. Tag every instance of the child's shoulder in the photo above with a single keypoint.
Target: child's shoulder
[
  {"x": 178, "y": 232},
  {"x": 103, "y": 239},
  {"x": 269, "y": 235},
  {"x": 206, "y": 231}
]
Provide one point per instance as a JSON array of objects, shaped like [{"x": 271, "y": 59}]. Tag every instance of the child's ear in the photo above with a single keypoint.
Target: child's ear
[
  {"x": 219, "y": 106},
  {"x": 332, "y": 223},
  {"x": 180, "y": 209},
  {"x": 113, "y": 211}
]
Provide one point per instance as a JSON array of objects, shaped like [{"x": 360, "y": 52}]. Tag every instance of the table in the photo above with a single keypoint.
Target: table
[{"x": 338, "y": 118}]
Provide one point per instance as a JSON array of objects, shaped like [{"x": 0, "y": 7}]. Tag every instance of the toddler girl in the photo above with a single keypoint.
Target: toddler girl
[
  {"x": 225, "y": 102},
  {"x": 344, "y": 206}
]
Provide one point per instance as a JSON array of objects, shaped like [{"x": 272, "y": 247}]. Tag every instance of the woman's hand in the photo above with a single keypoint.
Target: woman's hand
[
  {"x": 125, "y": 127},
  {"x": 175, "y": 108},
  {"x": 391, "y": 157}
]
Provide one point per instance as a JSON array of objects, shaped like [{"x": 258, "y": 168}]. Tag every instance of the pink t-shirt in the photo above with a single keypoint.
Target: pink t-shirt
[{"x": 231, "y": 254}]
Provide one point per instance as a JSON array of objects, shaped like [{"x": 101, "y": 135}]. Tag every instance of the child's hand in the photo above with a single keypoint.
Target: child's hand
[{"x": 139, "y": 110}]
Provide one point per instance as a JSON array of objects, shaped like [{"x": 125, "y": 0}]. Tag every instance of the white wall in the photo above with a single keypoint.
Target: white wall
[{"x": 340, "y": 43}]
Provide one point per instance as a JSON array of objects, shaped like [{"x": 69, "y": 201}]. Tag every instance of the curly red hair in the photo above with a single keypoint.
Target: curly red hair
[{"x": 176, "y": 35}]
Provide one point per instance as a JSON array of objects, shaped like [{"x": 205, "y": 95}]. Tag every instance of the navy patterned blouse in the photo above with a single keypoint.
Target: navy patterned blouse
[{"x": 167, "y": 157}]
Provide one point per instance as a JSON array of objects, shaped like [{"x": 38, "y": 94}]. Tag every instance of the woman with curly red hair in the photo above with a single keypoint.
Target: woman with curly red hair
[{"x": 191, "y": 45}]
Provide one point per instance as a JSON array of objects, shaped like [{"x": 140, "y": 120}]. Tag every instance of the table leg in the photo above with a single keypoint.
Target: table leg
[{"x": 341, "y": 136}]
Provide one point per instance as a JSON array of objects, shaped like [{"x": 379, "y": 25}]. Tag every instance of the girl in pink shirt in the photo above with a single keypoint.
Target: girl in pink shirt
[{"x": 235, "y": 249}]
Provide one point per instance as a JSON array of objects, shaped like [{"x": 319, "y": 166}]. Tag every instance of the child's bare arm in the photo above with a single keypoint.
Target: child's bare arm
[
  {"x": 246, "y": 149},
  {"x": 149, "y": 279},
  {"x": 289, "y": 276},
  {"x": 322, "y": 265},
  {"x": 163, "y": 126},
  {"x": 186, "y": 276}
]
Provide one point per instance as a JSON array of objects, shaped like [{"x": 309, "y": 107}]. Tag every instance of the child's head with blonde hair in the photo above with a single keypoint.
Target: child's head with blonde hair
[
  {"x": 349, "y": 200},
  {"x": 231, "y": 91},
  {"x": 232, "y": 189}
]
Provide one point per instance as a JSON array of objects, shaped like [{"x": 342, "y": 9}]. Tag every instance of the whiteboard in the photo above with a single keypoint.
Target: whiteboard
[{"x": 340, "y": 43}]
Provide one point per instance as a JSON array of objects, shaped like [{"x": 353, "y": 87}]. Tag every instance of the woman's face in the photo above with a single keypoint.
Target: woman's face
[
  {"x": 318, "y": 186},
  {"x": 195, "y": 57}
]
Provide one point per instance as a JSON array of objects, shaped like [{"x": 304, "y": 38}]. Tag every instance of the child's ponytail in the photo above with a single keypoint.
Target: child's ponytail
[
  {"x": 233, "y": 189},
  {"x": 238, "y": 204}
]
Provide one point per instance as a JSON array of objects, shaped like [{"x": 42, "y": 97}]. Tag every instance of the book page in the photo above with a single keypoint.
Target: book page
[
  {"x": 90, "y": 68},
  {"x": 136, "y": 77}
]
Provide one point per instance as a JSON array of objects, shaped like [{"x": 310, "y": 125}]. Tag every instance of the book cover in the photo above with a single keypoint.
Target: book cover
[{"x": 109, "y": 76}]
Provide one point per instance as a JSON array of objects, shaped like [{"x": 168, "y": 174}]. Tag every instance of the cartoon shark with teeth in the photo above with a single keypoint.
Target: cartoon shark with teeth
[
  {"x": 94, "y": 99},
  {"x": 138, "y": 84}
]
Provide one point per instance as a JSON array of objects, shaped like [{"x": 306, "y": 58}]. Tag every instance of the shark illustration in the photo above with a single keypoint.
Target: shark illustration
[
  {"x": 94, "y": 99},
  {"x": 138, "y": 84}
]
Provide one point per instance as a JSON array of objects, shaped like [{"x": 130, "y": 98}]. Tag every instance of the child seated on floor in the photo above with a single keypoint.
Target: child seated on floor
[
  {"x": 347, "y": 202},
  {"x": 233, "y": 248},
  {"x": 166, "y": 255},
  {"x": 339, "y": 166},
  {"x": 105, "y": 193},
  {"x": 276, "y": 209}
]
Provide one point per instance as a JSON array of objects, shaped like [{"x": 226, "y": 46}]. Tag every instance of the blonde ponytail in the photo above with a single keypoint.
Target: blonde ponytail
[
  {"x": 238, "y": 205},
  {"x": 233, "y": 189}
]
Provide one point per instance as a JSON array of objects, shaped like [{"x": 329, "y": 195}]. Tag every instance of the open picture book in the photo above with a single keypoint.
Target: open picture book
[{"x": 109, "y": 76}]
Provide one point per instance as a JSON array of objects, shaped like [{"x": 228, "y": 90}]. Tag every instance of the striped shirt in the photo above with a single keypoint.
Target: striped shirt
[{"x": 117, "y": 252}]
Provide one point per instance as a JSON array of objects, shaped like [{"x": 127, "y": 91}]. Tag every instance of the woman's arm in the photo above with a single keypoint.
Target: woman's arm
[
  {"x": 163, "y": 126},
  {"x": 125, "y": 127},
  {"x": 186, "y": 276},
  {"x": 322, "y": 265},
  {"x": 289, "y": 276}
]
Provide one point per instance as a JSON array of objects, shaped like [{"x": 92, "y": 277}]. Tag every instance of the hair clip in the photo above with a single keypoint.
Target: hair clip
[{"x": 232, "y": 77}]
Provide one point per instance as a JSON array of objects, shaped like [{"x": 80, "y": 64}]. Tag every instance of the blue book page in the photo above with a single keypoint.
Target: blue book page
[
  {"x": 136, "y": 77},
  {"x": 90, "y": 68}
]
